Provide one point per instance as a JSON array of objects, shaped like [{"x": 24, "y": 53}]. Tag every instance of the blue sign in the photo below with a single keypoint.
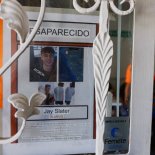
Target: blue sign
[{"x": 116, "y": 137}]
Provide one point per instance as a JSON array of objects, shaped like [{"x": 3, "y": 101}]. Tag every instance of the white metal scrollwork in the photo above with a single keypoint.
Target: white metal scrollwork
[
  {"x": 98, "y": 2},
  {"x": 102, "y": 61},
  {"x": 26, "y": 108},
  {"x": 12, "y": 12}
]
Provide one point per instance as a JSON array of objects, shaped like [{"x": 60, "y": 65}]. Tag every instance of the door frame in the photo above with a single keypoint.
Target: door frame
[{"x": 142, "y": 78}]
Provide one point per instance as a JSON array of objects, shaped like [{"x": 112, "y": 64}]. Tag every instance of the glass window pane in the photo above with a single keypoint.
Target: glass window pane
[{"x": 121, "y": 32}]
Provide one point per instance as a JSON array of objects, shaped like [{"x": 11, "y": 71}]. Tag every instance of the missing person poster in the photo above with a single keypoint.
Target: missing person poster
[{"x": 59, "y": 64}]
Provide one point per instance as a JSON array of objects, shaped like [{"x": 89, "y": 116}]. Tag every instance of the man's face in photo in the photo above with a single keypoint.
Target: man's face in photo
[
  {"x": 47, "y": 59},
  {"x": 47, "y": 89}
]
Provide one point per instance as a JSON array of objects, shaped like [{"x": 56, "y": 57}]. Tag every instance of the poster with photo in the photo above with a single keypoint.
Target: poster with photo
[
  {"x": 64, "y": 73},
  {"x": 69, "y": 102}
]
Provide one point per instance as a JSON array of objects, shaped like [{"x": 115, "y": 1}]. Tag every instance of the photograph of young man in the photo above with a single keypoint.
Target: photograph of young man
[{"x": 46, "y": 69}]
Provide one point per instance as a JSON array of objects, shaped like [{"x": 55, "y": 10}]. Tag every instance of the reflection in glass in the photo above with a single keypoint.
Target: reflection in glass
[{"x": 120, "y": 82}]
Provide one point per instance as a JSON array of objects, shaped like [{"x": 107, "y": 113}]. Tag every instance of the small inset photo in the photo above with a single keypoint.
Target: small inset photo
[
  {"x": 43, "y": 64},
  {"x": 70, "y": 93},
  {"x": 48, "y": 90},
  {"x": 59, "y": 94},
  {"x": 64, "y": 93}
]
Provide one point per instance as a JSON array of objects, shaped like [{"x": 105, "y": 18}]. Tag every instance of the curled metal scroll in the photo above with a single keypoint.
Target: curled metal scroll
[
  {"x": 12, "y": 12},
  {"x": 17, "y": 19},
  {"x": 112, "y": 5},
  {"x": 9, "y": 11},
  {"x": 86, "y": 10},
  {"x": 120, "y": 12},
  {"x": 26, "y": 108}
]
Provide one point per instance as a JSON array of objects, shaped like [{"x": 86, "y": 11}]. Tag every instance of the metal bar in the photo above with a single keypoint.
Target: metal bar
[{"x": 118, "y": 59}]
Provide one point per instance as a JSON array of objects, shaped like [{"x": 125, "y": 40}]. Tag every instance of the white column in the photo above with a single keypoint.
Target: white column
[{"x": 142, "y": 79}]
